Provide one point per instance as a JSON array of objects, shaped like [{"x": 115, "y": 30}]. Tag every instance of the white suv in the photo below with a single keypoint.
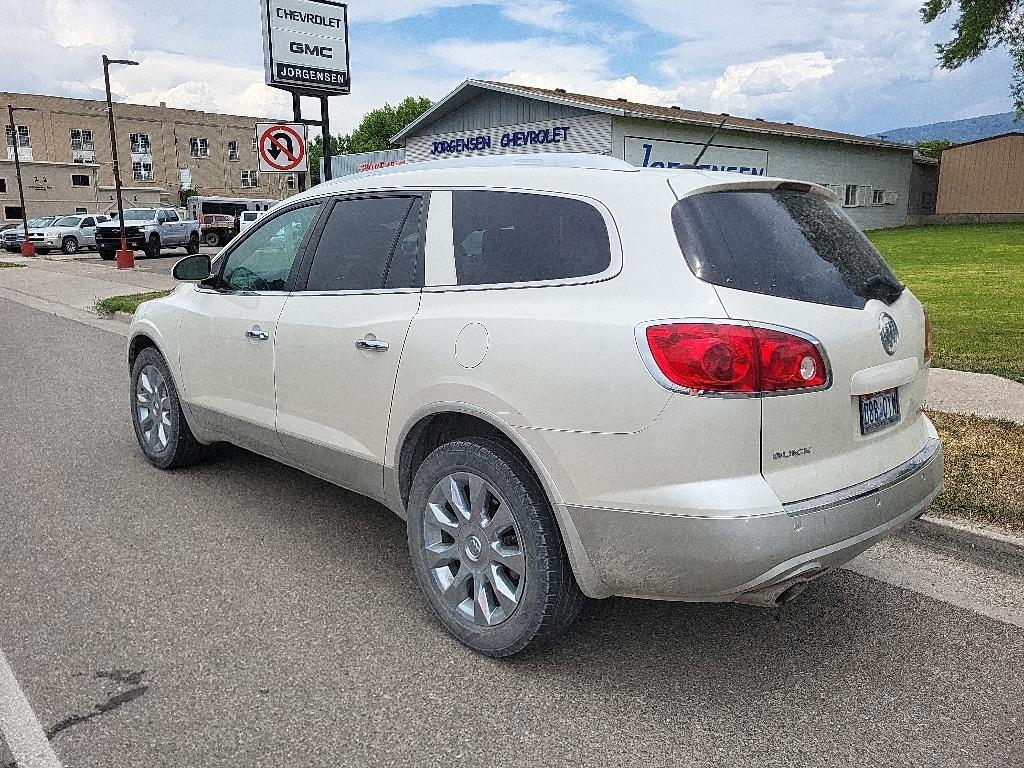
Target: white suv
[{"x": 572, "y": 377}]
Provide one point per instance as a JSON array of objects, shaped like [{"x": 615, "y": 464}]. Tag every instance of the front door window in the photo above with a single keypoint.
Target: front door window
[{"x": 263, "y": 261}]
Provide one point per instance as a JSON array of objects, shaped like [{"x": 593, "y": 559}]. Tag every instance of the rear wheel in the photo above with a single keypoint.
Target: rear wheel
[
  {"x": 106, "y": 255},
  {"x": 192, "y": 247},
  {"x": 487, "y": 551},
  {"x": 160, "y": 426},
  {"x": 212, "y": 239},
  {"x": 152, "y": 249},
  {"x": 69, "y": 245}
]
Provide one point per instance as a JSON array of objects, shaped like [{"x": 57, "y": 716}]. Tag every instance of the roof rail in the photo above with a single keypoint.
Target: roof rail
[{"x": 539, "y": 159}]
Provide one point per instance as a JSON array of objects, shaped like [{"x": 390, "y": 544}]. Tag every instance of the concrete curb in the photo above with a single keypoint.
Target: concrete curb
[
  {"x": 122, "y": 317},
  {"x": 961, "y": 534}
]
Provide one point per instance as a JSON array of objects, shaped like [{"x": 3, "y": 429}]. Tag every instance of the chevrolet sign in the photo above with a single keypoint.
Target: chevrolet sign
[{"x": 305, "y": 46}]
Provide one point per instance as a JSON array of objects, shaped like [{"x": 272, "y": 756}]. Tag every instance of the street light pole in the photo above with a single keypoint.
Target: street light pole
[
  {"x": 27, "y": 249},
  {"x": 125, "y": 258}
]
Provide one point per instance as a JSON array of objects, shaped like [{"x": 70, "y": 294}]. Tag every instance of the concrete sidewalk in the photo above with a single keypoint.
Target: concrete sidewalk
[
  {"x": 981, "y": 394},
  {"x": 72, "y": 287}
]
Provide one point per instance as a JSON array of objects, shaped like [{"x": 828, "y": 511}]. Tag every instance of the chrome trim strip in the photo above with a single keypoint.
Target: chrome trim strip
[
  {"x": 640, "y": 332},
  {"x": 875, "y": 485}
]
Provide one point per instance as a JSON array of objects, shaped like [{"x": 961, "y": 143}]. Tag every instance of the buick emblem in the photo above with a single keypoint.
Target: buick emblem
[{"x": 890, "y": 333}]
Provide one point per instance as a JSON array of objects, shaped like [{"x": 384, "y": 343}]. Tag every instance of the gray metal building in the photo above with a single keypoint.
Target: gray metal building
[{"x": 871, "y": 177}]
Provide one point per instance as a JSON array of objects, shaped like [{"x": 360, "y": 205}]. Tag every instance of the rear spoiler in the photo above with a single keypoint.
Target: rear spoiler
[{"x": 791, "y": 185}]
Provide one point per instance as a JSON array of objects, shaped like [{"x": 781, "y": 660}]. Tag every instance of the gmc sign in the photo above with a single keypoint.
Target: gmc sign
[{"x": 306, "y": 46}]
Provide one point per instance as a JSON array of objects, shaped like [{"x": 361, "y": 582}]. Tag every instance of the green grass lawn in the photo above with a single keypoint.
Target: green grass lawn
[
  {"x": 126, "y": 303},
  {"x": 971, "y": 279},
  {"x": 9, "y": 265}
]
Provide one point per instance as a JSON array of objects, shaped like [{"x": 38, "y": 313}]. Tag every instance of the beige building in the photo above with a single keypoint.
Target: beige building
[
  {"x": 64, "y": 145},
  {"x": 983, "y": 177}
]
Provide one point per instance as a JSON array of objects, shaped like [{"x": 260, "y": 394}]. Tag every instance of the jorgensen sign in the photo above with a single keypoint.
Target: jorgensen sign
[{"x": 306, "y": 46}]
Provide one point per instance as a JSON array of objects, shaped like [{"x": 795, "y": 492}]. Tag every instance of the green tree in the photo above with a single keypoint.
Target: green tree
[
  {"x": 378, "y": 126},
  {"x": 981, "y": 26},
  {"x": 933, "y": 147}
]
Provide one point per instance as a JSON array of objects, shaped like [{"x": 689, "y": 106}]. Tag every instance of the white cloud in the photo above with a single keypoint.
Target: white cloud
[
  {"x": 393, "y": 10},
  {"x": 764, "y": 80},
  {"x": 543, "y": 14}
]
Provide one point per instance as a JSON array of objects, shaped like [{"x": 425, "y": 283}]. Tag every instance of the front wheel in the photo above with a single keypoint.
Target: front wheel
[
  {"x": 192, "y": 247},
  {"x": 163, "y": 433},
  {"x": 69, "y": 246},
  {"x": 106, "y": 255},
  {"x": 487, "y": 551},
  {"x": 152, "y": 249},
  {"x": 212, "y": 239}
]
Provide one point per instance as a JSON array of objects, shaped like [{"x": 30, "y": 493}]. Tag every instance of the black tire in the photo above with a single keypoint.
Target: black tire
[
  {"x": 550, "y": 600},
  {"x": 212, "y": 239},
  {"x": 192, "y": 247},
  {"x": 69, "y": 246},
  {"x": 152, "y": 249},
  {"x": 106, "y": 255},
  {"x": 182, "y": 448}
]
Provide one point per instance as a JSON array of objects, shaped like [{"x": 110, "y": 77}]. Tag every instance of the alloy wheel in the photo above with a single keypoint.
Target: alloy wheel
[
  {"x": 153, "y": 408},
  {"x": 474, "y": 549}
]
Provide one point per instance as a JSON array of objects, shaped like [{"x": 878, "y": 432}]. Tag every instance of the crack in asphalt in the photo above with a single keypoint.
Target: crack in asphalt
[{"x": 121, "y": 676}]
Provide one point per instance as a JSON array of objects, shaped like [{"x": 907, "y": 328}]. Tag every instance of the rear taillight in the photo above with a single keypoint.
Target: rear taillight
[
  {"x": 712, "y": 358},
  {"x": 927, "y": 337}
]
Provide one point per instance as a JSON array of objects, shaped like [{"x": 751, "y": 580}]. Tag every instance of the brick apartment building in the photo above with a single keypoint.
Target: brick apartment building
[{"x": 64, "y": 146}]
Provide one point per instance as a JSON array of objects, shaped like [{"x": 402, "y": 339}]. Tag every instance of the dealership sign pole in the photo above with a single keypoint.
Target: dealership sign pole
[{"x": 306, "y": 52}]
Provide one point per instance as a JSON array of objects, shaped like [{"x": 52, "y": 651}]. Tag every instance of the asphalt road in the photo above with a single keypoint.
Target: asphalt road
[{"x": 243, "y": 614}]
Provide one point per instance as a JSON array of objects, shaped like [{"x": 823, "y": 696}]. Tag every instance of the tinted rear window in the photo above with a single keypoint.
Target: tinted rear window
[
  {"x": 782, "y": 243},
  {"x": 518, "y": 237}
]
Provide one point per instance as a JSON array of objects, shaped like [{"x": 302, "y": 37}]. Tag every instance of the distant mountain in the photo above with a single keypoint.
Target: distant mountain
[{"x": 957, "y": 131}]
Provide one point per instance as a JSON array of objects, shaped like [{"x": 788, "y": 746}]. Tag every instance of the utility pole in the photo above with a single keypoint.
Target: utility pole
[
  {"x": 125, "y": 258},
  {"x": 27, "y": 249}
]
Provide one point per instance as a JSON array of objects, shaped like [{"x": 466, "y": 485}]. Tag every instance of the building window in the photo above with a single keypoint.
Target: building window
[
  {"x": 255, "y": 144},
  {"x": 250, "y": 179},
  {"x": 200, "y": 147},
  {"x": 12, "y": 212},
  {"x": 81, "y": 139},
  {"x": 850, "y": 199},
  {"x": 289, "y": 181},
  {"x": 24, "y": 137},
  {"x": 24, "y": 142},
  {"x": 878, "y": 197},
  {"x": 3, "y": 186},
  {"x": 140, "y": 144},
  {"x": 142, "y": 171},
  {"x": 79, "y": 180},
  {"x": 232, "y": 150}
]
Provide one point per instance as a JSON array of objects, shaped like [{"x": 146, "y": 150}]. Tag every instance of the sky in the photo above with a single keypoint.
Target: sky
[{"x": 860, "y": 66}]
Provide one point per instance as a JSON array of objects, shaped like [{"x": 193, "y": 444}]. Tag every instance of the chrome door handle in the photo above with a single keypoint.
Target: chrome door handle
[
  {"x": 256, "y": 333},
  {"x": 373, "y": 345}
]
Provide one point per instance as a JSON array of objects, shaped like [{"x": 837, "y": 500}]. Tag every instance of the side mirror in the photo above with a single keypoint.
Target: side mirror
[{"x": 192, "y": 269}]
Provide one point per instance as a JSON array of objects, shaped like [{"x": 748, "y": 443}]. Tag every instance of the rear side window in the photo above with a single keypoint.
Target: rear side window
[
  {"x": 782, "y": 243},
  {"x": 515, "y": 237},
  {"x": 369, "y": 244}
]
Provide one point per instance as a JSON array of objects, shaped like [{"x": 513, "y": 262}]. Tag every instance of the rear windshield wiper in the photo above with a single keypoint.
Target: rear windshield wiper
[{"x": 884, "y": 288}]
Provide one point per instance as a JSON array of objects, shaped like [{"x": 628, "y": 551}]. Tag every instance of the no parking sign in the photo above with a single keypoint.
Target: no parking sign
[{"x": 282, "y": 147}]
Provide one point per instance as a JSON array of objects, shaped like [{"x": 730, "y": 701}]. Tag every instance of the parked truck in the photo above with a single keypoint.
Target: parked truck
[{"x": 149, "y": 230}]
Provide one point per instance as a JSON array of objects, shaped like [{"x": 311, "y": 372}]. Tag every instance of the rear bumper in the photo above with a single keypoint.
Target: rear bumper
[{"x": 724, "y": 559}]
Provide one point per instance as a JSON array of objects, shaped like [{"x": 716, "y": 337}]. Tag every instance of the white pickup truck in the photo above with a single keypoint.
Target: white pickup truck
[{"x": 149, "y": 230}]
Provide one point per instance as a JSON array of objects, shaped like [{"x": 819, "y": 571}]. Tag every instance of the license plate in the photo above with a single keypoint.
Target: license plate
[{"x": 879, "y": 411}]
